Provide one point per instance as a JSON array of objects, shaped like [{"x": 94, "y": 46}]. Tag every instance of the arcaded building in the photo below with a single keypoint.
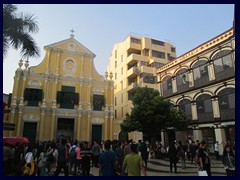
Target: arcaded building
[
  {"x": 63, "y": 96},
  {"x": 201, "y": 82}
]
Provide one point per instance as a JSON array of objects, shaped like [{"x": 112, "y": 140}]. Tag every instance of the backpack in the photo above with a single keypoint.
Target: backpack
[{"x": 73, "y": 154}]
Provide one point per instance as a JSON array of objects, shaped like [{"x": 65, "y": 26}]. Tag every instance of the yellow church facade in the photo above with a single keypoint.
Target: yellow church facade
[{"x": 63, "y": 96}]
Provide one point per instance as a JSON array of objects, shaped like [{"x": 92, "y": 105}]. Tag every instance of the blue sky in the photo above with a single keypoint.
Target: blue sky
[{"x": 99, "y": 27}]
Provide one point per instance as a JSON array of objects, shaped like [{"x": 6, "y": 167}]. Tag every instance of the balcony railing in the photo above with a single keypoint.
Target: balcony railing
[
  {"x": 133, "y": 72},
  {"x": 225, "y": 74},
  {"x": 227, "y": 114},
  {"x": 133, "y": 86},
  {"x": 205, "y": 117}
]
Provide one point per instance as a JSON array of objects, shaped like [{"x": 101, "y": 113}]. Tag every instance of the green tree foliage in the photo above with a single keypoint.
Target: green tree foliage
[
  {"x": 151, "y": 113},
  {"x": 16, "y": 32}
]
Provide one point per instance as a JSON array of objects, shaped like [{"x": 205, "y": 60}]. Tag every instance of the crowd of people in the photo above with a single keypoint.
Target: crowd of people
[{"x": 111, "y": 157}]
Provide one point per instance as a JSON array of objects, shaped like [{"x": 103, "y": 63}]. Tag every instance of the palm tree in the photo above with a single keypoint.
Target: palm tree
[{"x": 16, "y": 31}]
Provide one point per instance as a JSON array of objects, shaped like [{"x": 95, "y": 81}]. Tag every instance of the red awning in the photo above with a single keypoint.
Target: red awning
[{"x": 14, "y": 140}]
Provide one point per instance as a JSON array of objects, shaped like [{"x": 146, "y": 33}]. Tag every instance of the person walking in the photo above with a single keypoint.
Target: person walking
[
  {"x": 62, "y": 159},
  {"x": 133, "y": 162},
  {"x": 216, "y": 150},
  {"x": 95, "y": 153},
  {"x": 73, "y": 158},
  {"x": 144, "y": 153},
  {"x": 228, "y": 160},
  {"x": 107, "y": 161},
  {"x": 193, "y": 149},
  {"x": 204, "y": 158},
  {"x": 182, "y": 154},
  {"x": 173, "y": 156},
  {"x": 79, "y": 158},
  {"x": 120, "y": 156},
  {"x": 86, "y": 159},
  {"x": 51, "y": 154},
  {"x": 127, "y": 148}
]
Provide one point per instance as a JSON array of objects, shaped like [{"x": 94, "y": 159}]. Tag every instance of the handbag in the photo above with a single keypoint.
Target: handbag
[{"x": 202, "y": 173}]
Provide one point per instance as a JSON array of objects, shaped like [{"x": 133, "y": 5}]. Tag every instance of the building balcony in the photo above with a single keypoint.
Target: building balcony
[
  {"x": 149, "y": 85},
  {"x": 131, "y": 45},
  {"x": 228, "y": 114},
  {"x": 225, "y": 74},
  {"x": 158, "y": 60},
  {"x": 167, "y": 93},
  {"x": 205, "y": 117},
  {"x": 134, "y": 58},
  {"x": 133, "y": 72},
  {"x": 132, "y": 86},
  {"x": 149, "y": 70},
  {"x": 183, "y": 88}
]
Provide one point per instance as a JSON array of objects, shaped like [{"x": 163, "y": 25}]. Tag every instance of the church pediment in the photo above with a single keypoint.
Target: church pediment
[{"x": 70, "y": 45}]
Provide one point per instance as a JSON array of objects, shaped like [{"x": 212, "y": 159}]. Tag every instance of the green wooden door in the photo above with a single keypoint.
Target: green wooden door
[
  {"x": 97, "y": 133},
  {"x": 30, "y": 131}
]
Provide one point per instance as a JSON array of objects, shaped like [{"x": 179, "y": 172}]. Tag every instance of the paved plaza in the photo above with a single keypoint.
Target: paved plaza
[{"x": 157, "y": 167}]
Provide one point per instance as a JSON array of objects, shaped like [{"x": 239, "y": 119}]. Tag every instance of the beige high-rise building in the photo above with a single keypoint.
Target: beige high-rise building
[{"x": 133, "y": 63}]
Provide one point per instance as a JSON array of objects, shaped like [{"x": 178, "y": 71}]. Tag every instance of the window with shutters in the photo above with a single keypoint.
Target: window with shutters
[
  {"x": 98, "y": 102},
  {"x": 226, "y": 99},
  {"x": 33, "y": 96},
  {"x": 204, "y": 108},
  {"x": 185, "y": 106},
  {"x": 67, "y": 98}
]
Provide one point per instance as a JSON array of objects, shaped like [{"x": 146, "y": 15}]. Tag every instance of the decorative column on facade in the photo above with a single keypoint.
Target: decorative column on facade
[
  {"x": 111, "y": 109},
  {"x": 106, "y": 110},
  {"x": 88, "y": 125},
  {"x": 15, "y": 92},
  {"x": 79, "y": 117},
  {"x": 57, "y": 63},
  {"x": 45, "y": 90},
  {"x": 54, "y": 109},
  {"x": 25, "y": 71},
  {"x": 174, "y": 84},
  {"x": 81, "y": 66},
  {"x": 89, "y": 96},
  {"x": 47, "y": 63},
  {"x": 194, "y": 110},
  {"x": 233, "y": 54},
  {"x": 54, "y": 92},
  {"x": 21, "y": 103},
  {"x": 215, "y": 105},
  {"x": 80, "y": 93},
  {"x": 79, "y": 120},
  {"x": 211, "y": 71},
  {"x": 163, "y": 134},
  {"x": 16, "y": 82},
  {"x": 19, "y": 120},
  {"x": 106, "y": 120},
  {"x": 220, "y": 136},
  {"x": 190, "y": 78},
  {"x": 90, "y": 69},
  {"x": 43, "y": 109},
  {"x": 160, "y": 88}
]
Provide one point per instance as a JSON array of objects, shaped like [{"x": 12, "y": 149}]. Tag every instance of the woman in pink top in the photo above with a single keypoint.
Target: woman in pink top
[{"x": 79, "y": 159}]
